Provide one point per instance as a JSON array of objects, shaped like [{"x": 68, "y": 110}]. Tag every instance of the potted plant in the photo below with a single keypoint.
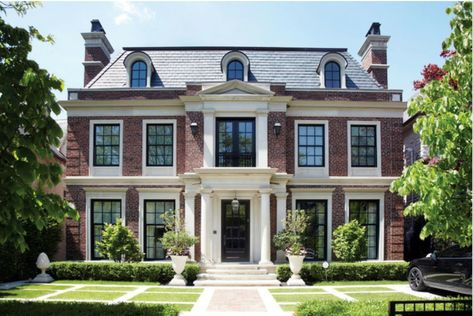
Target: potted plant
[
  {"x": 290, "y": 240},
  {"x": 176, "y": 241}
]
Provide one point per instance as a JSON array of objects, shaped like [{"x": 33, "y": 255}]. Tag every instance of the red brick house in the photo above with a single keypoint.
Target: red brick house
[{"x": 195, "y": 128}]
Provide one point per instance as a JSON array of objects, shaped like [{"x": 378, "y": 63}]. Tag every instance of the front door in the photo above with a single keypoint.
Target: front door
[{"x": 235, "y": 231}]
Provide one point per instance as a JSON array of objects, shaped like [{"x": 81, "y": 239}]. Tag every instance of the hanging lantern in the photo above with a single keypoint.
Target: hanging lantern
[{"x": 235, "y": 205}]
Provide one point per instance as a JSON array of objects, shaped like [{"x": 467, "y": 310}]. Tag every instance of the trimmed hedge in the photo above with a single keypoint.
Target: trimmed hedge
[
  {"x": 342, "y": 308},
  {"x": 80, "y": 309},
  {"x": 344, "y": 271},
  {"x": 112, "y": 271}
]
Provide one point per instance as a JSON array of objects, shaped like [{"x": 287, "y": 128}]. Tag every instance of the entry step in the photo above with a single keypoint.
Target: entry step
[
  {"x": 212, "y": 276},
  {"x": 236, "y": 271},
  {"x": 237, "y": 283}
]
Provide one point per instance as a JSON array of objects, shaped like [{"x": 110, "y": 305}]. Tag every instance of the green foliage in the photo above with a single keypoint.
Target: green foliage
[
  {"x": 91, "y": 309},
  {"x": 443, "y": 182},
  {"x": 15, "y": 265},
  {"x": 341, "y": 271},
  {"x": 349, "y": 242},
  {"x": 111, "y": 271},
  {"x": 342, "y": 308},
  {"x": 176, "y": 240},
  {"x": 290, "y": 239},
  {"x": 27, "y": 131},
  {"x": 119, "y": 244}
]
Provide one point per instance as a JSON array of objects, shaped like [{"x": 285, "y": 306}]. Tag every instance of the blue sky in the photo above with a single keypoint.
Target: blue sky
[{"x": 417, "y": 29}]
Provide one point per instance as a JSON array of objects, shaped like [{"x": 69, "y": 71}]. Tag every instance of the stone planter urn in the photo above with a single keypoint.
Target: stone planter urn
[
  {"x": 295, "y": 264},
  {"x": 178, "y": 265},
  {"x": 43, "y": 264}
]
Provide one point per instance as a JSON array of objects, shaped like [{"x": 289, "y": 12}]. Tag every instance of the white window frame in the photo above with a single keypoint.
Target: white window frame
[
  {"x": 310, "y": 172},
  {"x": 315, "y": 194},
  {"x": 104, "y": 170},
  {"x": 101, "y": 194},
  {"x": 365, "y": 171},
  {"x": 369, "y": 196},
  {"x": 131, "y": 59},
  {"x": 154, "y": 194},
  {"x": 236, "y": 55},
  {"x": 342, "y": 63},
  {"x": 159, "y": 170}
]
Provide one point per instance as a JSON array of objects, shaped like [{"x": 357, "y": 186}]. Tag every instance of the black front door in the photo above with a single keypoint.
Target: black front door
[{"x": 235, "y": 231}]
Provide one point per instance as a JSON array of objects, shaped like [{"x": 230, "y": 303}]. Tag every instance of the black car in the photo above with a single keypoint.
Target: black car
[{"x": 446, "y": 270}]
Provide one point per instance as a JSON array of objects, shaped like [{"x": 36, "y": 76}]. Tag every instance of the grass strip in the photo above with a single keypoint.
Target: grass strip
[
  {"x": 363, "y": 289},
  {"x": 105, "y": 282},
  {"x": 165, "y": 297},
  {"x": 100, "y": 296},
  {"x": 175, "y": 289},
  {"x": 295, "y": 290},
  {"x": 21, "y": 293},
  {"x": 303, "y": 297},
  {"x": 360, "y": 283}
]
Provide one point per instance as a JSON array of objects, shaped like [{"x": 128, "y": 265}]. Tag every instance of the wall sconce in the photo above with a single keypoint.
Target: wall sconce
[
  {"x": 235, "y": 204},
  {"x": 277, "y": 128},
  {"x": 194, "y": 128}
]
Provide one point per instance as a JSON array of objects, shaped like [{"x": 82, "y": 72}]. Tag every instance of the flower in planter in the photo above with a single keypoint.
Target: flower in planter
[
  {"x": 176, "y": 240},
  {"x": 290, "y": 239}
]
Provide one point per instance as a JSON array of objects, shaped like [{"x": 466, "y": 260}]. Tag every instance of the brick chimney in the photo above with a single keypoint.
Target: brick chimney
[
  {"x": 373, "y": 54},
  {"x": 97, "y": 51}
]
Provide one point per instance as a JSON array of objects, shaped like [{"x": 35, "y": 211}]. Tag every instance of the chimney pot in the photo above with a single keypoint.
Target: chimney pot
[
  {"x": 96, "y": 26},
  {"x": 375, "y": 29}
]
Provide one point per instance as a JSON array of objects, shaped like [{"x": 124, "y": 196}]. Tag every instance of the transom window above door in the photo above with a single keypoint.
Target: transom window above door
[{"x": 235, "y": 142}]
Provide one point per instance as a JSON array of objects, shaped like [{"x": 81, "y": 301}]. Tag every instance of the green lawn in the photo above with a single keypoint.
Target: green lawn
[
  {"x": 380, "y": 282},
  {"x": 291, "y": 298},
  {"x": 295, "y": 290},
  {"x": 165, "y": 297},
  {"x": 363, "y": 289},
  {"x": 23, "y": 293},
  {"x": 395, "y": 296},
  {"x": 107, "y": 288},
  {"x": 90, "y": 295},
  {"x": 104, "y": 282},
  {"x": 174, "y": 289}
]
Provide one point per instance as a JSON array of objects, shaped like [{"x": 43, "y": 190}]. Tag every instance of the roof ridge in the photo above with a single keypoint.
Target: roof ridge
[{"x": 264, "y": 48}]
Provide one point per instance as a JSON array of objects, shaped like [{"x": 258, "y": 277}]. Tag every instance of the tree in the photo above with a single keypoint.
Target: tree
[
  {"x": 443, "y": 181},
  {"x": 290, "y": 239},
  {"x": 119, "y": 244},
  {"x": 350, "y": 242},
  {"x": 27, "y": 131},
  {"x": 176, "y": 240}
]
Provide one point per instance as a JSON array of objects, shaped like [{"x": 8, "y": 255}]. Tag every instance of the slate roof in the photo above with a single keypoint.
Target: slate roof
[{"x": 296, "y": 67}]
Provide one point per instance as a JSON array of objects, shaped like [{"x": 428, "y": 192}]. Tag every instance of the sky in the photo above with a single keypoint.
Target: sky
[{"x": 417, "y": 30}]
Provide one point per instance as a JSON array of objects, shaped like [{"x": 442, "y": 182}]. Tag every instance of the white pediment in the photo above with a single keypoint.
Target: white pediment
[{"x": 236, "y": 87}]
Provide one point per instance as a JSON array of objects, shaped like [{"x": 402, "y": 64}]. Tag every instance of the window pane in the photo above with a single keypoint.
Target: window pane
[
  {"x": 160, "y": 145},
  {"x": 363, "y": 146},
  {"x": 367, "y": 214},
  {"x": 154, "y": 228},
  {"x": 102, "y": 212},
  {"x": 138, "y": 74},
  {"x": 311, "y": 145}
]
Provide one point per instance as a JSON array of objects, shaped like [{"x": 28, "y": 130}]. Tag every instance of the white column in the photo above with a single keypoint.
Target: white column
[
  {"x": 209, "y": 137},
  {"x": 190, "y": 217},
  {"x": 265, "y": 227},
  {"x": 262, "y": 138},
  {"x": 206, "y": 207},
  {"x": 281, "y": 206}
]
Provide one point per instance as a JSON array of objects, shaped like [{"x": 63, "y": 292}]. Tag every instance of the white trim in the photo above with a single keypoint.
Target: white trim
[
  {"x": 123, "y": 180},
  {"x": 310, "y": 172},
  {"x": 369, "y": 196},
  {"x": 159, "y": 194},
  {"x": 364, "y": 181},
  {"x": 342, "y": 63},
  {"x": 339, "y": 112},
  {"x": 239, "y": 56},
  {"x": 159, "y": 170},
  {"x": 99, "y": 170},
  {"x": 315, "y": 194},
  {"x": 99, "y": 194},
  {"x": 131, "y": 58},
  {"x": 365, "y": 171}
]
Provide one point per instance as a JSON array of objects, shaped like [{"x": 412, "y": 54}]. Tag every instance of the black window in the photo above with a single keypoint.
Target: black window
[
  {"x": 138, "y": 74},
  {"x": 366, "y": 212},
  {"x": 106, "y": 145},
  {"x": 235, "y": 143},
  {"x": 332, "y": 75},
  {"x": 103, "y": 212},
  {"x": 316, "y": 234},
  {"x": 154, "y": 227},
  {"x": 159, "y": 145},
  {"x": 363, "y": 146},
  {"x": 311, "y": 149},
  {"x": 235, "y": 70}
]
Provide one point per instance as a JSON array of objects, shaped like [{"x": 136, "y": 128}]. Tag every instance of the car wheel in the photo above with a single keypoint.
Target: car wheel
[{"x": 416, "y": 279}]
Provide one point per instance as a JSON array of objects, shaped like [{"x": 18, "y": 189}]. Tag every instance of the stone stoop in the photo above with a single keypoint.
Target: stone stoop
[{"x": 237, "y": 275}]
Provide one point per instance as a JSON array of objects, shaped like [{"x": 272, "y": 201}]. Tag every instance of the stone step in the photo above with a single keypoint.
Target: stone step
[
  {"x": 239, "y": 266},
  {"x": 236, "y": 271},
  {"x": 211, "y": 276},
  {"x": 237, "y": 283}
]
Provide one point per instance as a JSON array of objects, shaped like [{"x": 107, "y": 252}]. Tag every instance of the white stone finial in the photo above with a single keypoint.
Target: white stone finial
[{"x": 43, "y": 264}]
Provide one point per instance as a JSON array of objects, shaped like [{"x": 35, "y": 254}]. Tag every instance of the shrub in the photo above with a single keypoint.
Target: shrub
[
  {"x": 111, "y": 271},
  {"x": 350, "y": 242},
  {"x": 119, "y": 244},
  {"x": 79, "y": 309},
  {"x": 15, "y": 265},
  {"x": 176, "y": 240},
  {"x": 344, "y": 271},
  {"x": 290, "y": 239},
  {"x": 342, "y": 308}
]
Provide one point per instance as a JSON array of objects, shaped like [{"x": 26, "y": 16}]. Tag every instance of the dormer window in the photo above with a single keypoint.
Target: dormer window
[
  {"x": 235, "y": 66},
  {"x": 138, "y": 75},
  {"x": 235, "y": 70},
  {"x": 332, "y": 75},
  {"x": 139, "y": 68},
  {"x": 331, "y": 70}
]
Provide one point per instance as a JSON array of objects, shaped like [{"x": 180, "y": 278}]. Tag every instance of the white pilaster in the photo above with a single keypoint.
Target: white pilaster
[
  {"x": 281, "y": 206},
  {"x": 206, "y": 208},
  {"x": 265, "y": 227},
  {"x": 262, "y": 138},
  {"x": 209, "y": 137},
  {"x": 190, "y": 217}
]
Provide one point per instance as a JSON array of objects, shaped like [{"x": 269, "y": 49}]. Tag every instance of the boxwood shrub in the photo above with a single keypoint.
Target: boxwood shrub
[
  {"x": 344, "y": 271},
  {"x": 112, "y": 271},
  {"x": 79, "y": 309}
]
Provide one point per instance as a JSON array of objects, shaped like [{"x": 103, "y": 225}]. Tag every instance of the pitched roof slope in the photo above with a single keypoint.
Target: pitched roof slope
[{"x": 296, "y": 67}]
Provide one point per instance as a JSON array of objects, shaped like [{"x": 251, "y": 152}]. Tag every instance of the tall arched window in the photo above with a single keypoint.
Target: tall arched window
[
  {"x": 332, "y": 75},
  {"x": 138, "y": 74},
  {"x": 235, "y": 70}
]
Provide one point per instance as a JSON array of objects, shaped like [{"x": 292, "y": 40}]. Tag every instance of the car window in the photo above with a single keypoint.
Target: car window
[{"x": 455, "y": 252}]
